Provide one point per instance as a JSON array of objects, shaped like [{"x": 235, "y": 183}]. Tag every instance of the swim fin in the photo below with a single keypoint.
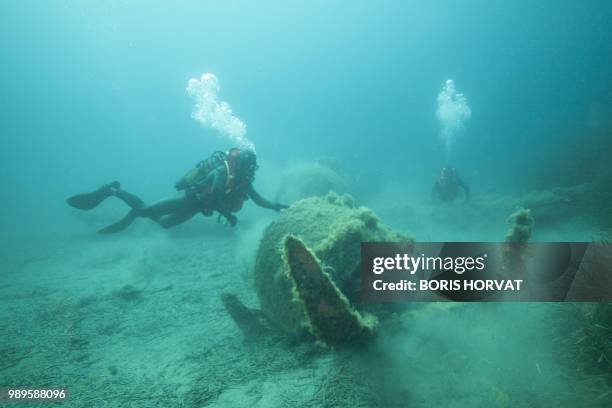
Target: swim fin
[
  {"x": 91, "y": 200},
  {"x": 121, "y": 224}
]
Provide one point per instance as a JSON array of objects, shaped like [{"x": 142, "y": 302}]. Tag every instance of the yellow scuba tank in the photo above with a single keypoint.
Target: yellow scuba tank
[{"x": 198, "y": 174}]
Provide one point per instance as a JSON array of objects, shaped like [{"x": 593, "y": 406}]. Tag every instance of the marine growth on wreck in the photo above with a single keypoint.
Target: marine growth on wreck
[{"x": 308, "y": 265}]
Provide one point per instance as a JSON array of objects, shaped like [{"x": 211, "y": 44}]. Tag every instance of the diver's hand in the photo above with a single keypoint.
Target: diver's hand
[
  {"x": 230, "y": 220},
  {"x": 280, "y": 207}
]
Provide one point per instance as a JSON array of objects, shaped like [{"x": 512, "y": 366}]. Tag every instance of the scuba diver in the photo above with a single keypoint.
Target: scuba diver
[
  {"x": 446, "y": 189},
  {"x": 220, "y": 183}
]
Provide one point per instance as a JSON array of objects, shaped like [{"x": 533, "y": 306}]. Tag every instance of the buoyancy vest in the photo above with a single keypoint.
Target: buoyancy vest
[{"x": 236, "y": 191}]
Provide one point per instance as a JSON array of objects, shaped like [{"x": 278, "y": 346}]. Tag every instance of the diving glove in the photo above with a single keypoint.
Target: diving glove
[
  {"x": 229, "y": 219},
  {"x": 279, "y": 207}
]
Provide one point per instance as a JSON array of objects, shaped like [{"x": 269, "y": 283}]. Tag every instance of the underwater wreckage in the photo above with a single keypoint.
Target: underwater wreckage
[
  {"x": 308, "y": 266},
  {"x": 307, "y": 272}
]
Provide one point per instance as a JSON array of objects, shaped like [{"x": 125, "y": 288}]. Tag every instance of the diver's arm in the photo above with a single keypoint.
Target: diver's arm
[{"x": 262, "y": 202}]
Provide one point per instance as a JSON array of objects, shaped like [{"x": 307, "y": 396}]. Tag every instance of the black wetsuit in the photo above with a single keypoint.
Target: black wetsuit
[
  {"x": 208, "y": 196},
  {"x": 447, "y": 190}
]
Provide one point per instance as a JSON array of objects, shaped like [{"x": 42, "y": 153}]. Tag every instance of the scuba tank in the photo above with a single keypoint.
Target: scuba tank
[{"x": 197, "y": 175}]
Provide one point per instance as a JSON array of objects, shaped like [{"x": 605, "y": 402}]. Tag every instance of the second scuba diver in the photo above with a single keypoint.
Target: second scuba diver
[
  {"x": 221, "y": 183},
  {"x": 448, "y": 186}
]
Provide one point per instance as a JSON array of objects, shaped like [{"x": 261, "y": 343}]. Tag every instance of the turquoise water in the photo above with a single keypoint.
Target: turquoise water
[{"x": 348, "y": 96}]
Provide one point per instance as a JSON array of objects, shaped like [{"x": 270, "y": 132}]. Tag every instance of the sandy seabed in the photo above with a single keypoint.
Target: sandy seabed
[{"x": 136, "y": 320}]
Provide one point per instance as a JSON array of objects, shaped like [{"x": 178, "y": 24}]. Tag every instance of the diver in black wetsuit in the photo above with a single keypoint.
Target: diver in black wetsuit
[
  {"x": 220, "y": 183},
  {"x": 447, "y": 187}
]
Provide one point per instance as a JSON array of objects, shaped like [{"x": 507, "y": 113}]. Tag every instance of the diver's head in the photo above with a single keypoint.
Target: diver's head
[
  {"x": 448, "y": 174},
  {"x": 246, "y": 164}
]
